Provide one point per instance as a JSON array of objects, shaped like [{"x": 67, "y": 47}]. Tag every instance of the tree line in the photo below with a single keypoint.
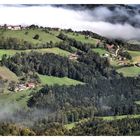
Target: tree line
[
  {"x": 91, "y": 127},
  {"x": 89, "y": 66}
]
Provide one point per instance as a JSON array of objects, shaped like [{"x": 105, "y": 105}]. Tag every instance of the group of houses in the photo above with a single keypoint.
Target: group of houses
[
  {"x": 111, "y": 51},
  {"x": 12, "y": 27},
  {"x": 21, "y": 87},
  {"x": 114, "y": 51},
  {"x": 122, "y": 61}
]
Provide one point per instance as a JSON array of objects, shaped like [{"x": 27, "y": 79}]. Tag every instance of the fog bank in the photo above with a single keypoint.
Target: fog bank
[{"x": 116, "y": 23}]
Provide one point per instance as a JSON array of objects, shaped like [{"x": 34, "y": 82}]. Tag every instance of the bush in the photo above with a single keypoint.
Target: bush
[
  {"x": 26, "y": 33},
  {"x": 36, "y": 37}
]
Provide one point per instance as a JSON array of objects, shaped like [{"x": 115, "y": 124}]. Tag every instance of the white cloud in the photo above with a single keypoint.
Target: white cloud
[
  {"x": 101, "y": 13},
  {"x": 66, "y": 18}
]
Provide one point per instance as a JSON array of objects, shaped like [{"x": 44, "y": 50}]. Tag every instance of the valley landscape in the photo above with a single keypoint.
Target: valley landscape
[{"x": 57, "y": 81}]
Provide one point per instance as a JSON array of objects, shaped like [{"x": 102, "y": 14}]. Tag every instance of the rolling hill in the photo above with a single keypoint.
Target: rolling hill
[
  {"x": 75, "y": 78},
  {"x": 28, "y": 34}
]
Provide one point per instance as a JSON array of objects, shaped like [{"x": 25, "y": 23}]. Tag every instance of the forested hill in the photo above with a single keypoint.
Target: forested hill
[{"x": 53, "y": 80}]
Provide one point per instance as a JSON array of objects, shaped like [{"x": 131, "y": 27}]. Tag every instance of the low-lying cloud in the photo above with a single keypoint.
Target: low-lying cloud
[
  {"x": 117, "y": 23},
  {"x": 11, "y": 112}
]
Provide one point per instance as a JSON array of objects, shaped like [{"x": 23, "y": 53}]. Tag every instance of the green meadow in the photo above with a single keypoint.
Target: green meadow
[
  {"x": 100, "y": 51},
  {"x": 48, "y": 50},
  {"x": 28, "y": 34},
  {"x": 129, "y": 71},
  {"x": 51, "y": 80}
]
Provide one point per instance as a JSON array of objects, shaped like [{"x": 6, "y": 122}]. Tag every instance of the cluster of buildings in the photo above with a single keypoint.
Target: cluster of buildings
[
  {"x": 21, "y": 87},
  {"x": 122, "y": 61},
  {"x": 13, "y": 27}
]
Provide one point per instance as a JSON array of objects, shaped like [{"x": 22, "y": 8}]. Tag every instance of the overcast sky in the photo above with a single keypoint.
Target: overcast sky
[{"x": 93, "y": 20}]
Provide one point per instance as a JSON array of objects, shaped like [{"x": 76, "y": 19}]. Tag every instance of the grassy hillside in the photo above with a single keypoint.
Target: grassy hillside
[
  {"x": 48, "y": 50},
  {"x": 82, "y": 38},
  {"x": 19, "y": 99},
  {"x": 100, "y": 51},
  {"x": 51, "y": 80},
  {"x": 5, "y": 73},
  {"x": 15, "y": 100},
  {"x": 55, "y": 51},
  {"x": 134, "y": 53},
  {"x": 129, "y": 71},
  {"x": 78, "y": 37},
  {"x": 7, "y": 52},
  {"x": 28, "y": 34}
]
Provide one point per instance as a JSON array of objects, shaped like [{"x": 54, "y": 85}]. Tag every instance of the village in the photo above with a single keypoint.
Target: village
[
  {"x": 13, "y": 27},
  {"x": 114, "y": 55},
  {"x": 22, "y": 27}
]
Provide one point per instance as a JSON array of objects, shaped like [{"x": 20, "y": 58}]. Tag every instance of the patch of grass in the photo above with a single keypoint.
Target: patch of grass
[
  {"x": 5, "y": 73},
  {"x": 114, "y": 63},
  {"x": 106, "y": 118},
  {"x": 137, "y": 102},
  {"x": 111, "y": 118},
  {"x": 100, "y": 51},
  {"x": 47, "y": 50},
  {"x": 51, "y": 80},
  {"x": 129, "y": 71},
  {"x": 135, "y": 56},
  {"x": 20, "y": 34},
  {"x": 80, "y": 37},
  {"x": 134, "y": 53},
  {"x": 136, "y": 59},
  {"x": 7, "y": 52},
  {"x": 70, "y": 126},
  {"x": 15, "y": 100},
  {"x": 54, "y": 32},
  {"x": 54, "y": 50}
]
